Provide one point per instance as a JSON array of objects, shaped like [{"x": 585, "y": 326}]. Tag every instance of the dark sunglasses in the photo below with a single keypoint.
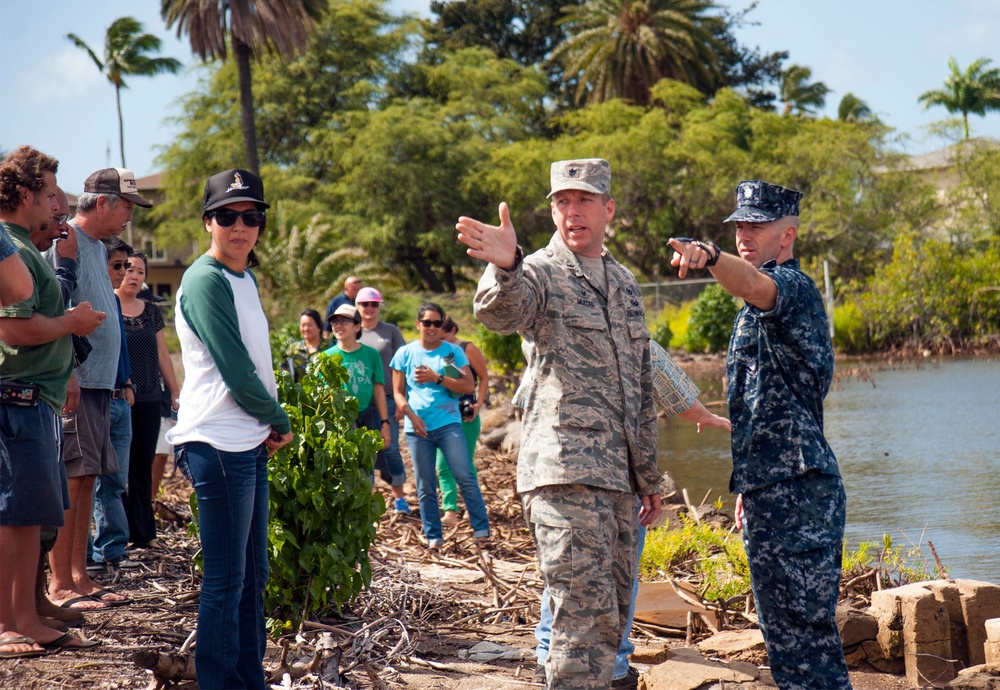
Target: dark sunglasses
[
  {"x": 428, "y": 323},
  {"x": 368, "y": 304},
  {"x": 227, "y": 218},
  {"x": 117, "y": 266}
]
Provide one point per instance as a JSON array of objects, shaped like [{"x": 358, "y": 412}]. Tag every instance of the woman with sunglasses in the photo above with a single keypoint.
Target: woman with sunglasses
[
  {"x": 427, "y": 391},
  {"x": 229, "y": 421}
]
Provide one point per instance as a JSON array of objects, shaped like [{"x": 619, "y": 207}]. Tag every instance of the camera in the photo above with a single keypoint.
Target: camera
[{"x": 465, "y": 405}]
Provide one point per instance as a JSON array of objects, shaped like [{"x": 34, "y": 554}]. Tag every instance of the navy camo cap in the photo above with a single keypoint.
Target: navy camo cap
[{"x": 761, "y": 202}]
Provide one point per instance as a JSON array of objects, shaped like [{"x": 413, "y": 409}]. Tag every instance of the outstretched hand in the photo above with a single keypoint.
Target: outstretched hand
[
  {"x": 495, "y": 244},
  {"x": 688, "y": 256}
]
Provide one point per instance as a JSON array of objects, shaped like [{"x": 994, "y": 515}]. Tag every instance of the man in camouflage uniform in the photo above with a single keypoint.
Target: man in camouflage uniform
[
  {"x": 588, "y": 444},
  {"x": 779, "y": 367}
]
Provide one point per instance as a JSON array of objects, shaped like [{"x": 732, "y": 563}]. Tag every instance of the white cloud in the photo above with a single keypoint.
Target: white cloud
[{"x": 65, "y": 74}]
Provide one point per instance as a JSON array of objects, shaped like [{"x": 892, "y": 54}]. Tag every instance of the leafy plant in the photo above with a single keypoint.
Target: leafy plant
[
  {"x": 714, "y": 555},
  {"x": 323, "y": 513},
  {"x": 711, "y": 320},
  {"x": 895, "y": 565}
]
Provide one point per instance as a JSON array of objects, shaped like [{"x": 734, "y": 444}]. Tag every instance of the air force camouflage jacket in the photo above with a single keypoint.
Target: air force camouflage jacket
[{"x": 589, "y": 414}]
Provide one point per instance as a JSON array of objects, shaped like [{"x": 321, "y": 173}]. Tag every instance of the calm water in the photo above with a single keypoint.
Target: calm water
[{"x": 919, "y": 450}]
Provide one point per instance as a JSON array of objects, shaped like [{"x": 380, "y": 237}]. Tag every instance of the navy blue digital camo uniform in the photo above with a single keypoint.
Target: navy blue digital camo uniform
[{"x": 779, "y": 367}]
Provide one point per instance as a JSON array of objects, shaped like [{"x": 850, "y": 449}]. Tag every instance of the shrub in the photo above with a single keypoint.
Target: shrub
[
  {"x": 850, "y": 332},
  {"x": 711, "y": 321},
  {"x": 715, "y": 555},
  {"x": 660, "y": 331},
  {"x": 323, "y": 512}
]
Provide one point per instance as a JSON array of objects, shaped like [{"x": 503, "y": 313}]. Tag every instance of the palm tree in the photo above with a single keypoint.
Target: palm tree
[
  {"x": 798, "y": 94},
  {"x": 253, "y": 26},
  {"x": 974, "y": 91},
  {"x": 853, "y": 109},
  {"x": 126, "y": 53},
  {"x": 620, "y": 48}
]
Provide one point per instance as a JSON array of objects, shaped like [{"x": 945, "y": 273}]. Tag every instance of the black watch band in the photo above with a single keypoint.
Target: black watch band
[
  {"x": 713, "y": 251},
  {"x": 440, "y": 379},
  {"x": 385, "y": 421}
]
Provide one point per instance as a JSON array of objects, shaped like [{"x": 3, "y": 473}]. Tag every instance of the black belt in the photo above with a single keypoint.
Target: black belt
[
  {"x": 20, "y": 394},
  {"x": 118, "y": 393}
]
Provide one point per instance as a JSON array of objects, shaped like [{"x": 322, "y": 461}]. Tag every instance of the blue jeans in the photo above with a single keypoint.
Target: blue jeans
[
  {"x": 543, "y": 631},
  {"x": 111, "y": 535},
  {"x": 389, "y": 462},
  {"x": 423, "y": 452},
  {"x": 232, "y": 523}
]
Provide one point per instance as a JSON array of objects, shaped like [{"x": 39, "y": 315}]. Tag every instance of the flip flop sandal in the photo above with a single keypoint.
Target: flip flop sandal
[
  {"x": 101, "y": 593},
  {"x": 66, "y": 640},
  {"x": 68, "y": 604},
  {"x": 484, "y": 543},
  {"x": 26, "y": 654}
]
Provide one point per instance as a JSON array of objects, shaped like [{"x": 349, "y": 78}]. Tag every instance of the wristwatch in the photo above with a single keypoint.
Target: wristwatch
[
  {"x": 440, "y": 379},
  {"x": 385, "y": 421}
]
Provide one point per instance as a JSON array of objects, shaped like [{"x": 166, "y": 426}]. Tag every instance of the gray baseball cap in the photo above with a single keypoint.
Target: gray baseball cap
[
  {"x": 586, "y": 174},
  {"x": 761, "y": 202}
]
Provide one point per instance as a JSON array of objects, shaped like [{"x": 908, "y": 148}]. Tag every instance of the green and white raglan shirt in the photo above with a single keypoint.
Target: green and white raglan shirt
[{"x": 229, "y": 397}]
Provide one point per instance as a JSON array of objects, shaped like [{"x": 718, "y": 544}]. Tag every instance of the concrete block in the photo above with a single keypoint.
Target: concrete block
[
  {"x": 980, "y": 603},
  {"x": 927, "y": 652},
  {"x": 991, "y": 652},
  {"x": 992, "y": 627}
]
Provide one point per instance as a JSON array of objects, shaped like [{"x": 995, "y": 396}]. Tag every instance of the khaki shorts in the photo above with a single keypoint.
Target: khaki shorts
[{"x": 87, "y": 447}]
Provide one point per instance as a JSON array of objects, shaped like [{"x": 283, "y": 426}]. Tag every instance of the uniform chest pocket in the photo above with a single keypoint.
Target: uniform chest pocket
[{"x": 586, "y": 341}]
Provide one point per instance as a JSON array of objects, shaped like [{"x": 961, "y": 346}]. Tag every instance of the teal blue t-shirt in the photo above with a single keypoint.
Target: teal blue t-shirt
[
  {"x": 434, "y": 404},
  {"x": 364, "y": 370}
]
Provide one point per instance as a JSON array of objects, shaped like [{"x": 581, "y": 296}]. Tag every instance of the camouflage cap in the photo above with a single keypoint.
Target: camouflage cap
[
  {"x": 761, "y": 202},
  {"x": 586, "y": 174}
]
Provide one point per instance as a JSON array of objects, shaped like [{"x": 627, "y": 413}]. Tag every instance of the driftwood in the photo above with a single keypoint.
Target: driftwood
[{"x": 167, "y": 667}]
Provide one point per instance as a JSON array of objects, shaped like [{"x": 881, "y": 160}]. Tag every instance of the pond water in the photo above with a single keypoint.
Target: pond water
[{"x": 919, "y": 450}]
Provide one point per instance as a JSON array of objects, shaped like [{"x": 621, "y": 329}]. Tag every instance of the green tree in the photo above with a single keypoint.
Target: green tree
[
  {"x": 798, "y": 94},
  {"x": 853, "y": 109},
  {"x": 976, "y": 90},
  {"x": 620, "y": 48},
  {"x": 253, "y": 26},
  {"x": 127, "y": 54}
]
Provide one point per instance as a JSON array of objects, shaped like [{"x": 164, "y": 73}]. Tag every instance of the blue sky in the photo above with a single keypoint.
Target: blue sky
[{"x": 53, "y": 97}]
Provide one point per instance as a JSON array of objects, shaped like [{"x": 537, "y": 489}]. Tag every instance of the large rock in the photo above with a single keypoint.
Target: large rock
[
  {"x": 686, "y": 669},
  {"x": 736, "y": 645},
  {"x": 981, "y": 677},
  {"x": 855, "y": 626}
]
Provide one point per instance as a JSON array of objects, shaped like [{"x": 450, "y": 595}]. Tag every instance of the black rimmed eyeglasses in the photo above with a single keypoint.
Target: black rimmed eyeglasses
[{"x": 117, "y": 266}]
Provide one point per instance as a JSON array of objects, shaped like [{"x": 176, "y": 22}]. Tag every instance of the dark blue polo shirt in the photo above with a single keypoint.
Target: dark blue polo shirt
[{"x": 779, "y": 366}]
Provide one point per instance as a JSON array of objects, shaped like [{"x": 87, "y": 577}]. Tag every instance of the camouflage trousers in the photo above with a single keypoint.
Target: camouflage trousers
[
  {"x": 587, "y": 540},
  {"x": 794, "y": 533}
]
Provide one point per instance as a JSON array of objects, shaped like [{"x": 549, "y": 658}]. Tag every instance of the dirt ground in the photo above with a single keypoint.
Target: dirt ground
[{"x": 412, "y": 628}]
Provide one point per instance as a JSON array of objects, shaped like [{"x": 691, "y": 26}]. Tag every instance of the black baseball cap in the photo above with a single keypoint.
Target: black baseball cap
[{"x": 231, "y": 186}]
